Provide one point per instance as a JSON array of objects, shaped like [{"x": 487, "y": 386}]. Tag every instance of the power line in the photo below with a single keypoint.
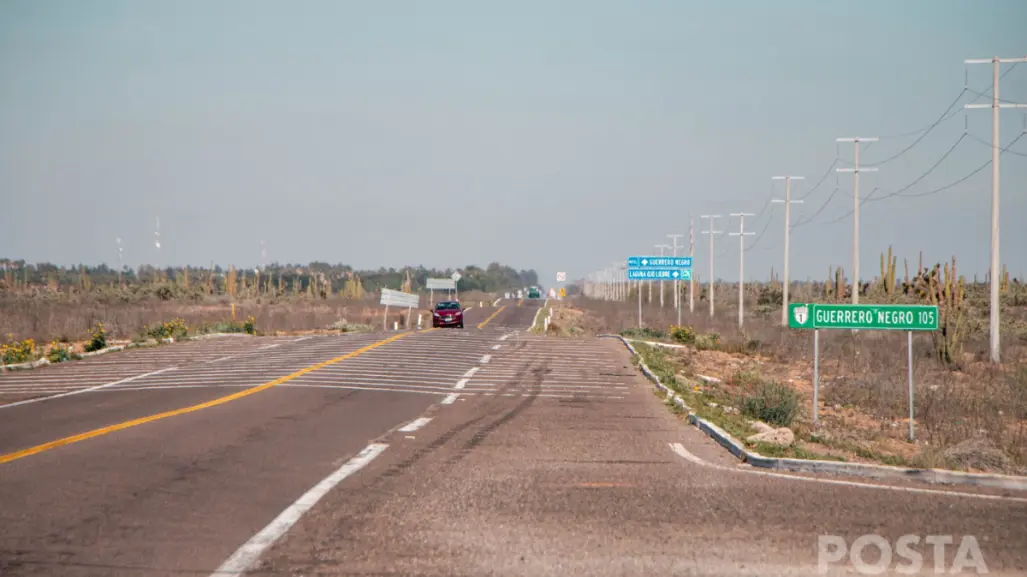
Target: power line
[
  {"x": 756, "y": 240},
  {"x": 827, "y": 173},
  {"x": 948, "y": 114},
  {"x": 989, "y": 145},
  {"x": 947, "y": 186},
  {"x": 806, "y": 221},
  {"x": 944, "y": 116},
  {"x": 901, "y": 192}
]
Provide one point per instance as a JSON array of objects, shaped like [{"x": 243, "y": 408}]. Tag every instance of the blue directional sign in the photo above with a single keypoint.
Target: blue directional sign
[
  {"x": 659, "y": 274},
  {"x": 659, "y": 262}
]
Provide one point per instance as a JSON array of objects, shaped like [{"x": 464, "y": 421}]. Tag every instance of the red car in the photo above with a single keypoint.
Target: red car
[{"x": 448, "y": 314}]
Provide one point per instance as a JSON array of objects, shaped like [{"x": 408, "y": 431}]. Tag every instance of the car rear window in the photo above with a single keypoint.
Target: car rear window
[{"x": 447, "y": 306}]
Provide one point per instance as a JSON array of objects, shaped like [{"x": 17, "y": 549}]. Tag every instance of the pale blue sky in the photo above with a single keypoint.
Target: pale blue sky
[{"x": 546, "y": 135}]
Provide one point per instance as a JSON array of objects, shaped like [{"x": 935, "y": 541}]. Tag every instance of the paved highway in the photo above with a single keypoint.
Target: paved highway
[{"x": 483, "y": 451}]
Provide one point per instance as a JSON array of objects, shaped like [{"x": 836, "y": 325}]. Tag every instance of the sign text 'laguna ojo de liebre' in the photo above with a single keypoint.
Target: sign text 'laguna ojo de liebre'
[
  {"x": 863, "y": 316},
  {"x": 659, "y": 274}
]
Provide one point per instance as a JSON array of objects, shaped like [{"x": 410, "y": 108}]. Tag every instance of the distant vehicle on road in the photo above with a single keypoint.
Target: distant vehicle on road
[
  {"x": 447, "y": 314},
  {"x": 534, "y": 293}
]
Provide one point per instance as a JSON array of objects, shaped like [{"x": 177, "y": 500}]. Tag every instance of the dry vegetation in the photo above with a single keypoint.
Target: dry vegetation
[
  {"x": 44, "y": 314},
  {"x": 969, "y": 414}
]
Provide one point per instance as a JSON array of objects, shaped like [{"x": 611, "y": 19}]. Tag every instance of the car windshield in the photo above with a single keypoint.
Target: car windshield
[{"x": 447, "y": 307}]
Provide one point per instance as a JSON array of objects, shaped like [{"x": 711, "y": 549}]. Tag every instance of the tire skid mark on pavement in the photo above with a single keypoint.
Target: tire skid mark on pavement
[{"x": 190, "y": 409}]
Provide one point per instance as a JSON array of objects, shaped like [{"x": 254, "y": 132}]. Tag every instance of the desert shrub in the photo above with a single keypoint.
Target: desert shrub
[
  {"x": 15, "y": 352},
  {"x": 708, "y": 341},
  {"x": 643, "y": 333},
  {"x": 175, "y": 328},
  {"x": 58, "y": 353},
  {"x": 772, "y": 403},
  {"x": 97, "y": 339},
  {"x": 683, "y": 335}
]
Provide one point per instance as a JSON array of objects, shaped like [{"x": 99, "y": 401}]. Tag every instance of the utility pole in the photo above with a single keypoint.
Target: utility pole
[
  {"x": 121, "y": 264},
  {"x": 677, "y": 283},
  {"x": 661, "y": 247},
  {"x": 855, "y": 170},
  {"x": 741, "y": 234},
  {"x": 788, "y": 227},
  {"x": 691, "y": 254},
  {"x": 156, "y": 242},
  {"x": 711, "y": 232},
  {"x": 993, "y": 276}
]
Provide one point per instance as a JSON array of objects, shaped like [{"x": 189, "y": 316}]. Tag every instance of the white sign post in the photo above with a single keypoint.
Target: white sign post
[{"x": 399, "y": 299}]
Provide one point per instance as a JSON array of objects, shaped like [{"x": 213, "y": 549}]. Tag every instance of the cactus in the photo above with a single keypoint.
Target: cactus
[
  {"x": 888, "y": 273},
  {"x": 839, "y": 286},
  {"x": 230, "y": 282},
  {"x": 947, "y": 293},
  {"x": 86, "y": 285},
  {"x": 1004, "y": 283},
  {"x": 827, "y": 285}
]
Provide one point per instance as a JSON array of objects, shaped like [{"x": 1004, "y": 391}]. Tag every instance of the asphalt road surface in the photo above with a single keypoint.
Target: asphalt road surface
[{"x": 483, "y": 451}]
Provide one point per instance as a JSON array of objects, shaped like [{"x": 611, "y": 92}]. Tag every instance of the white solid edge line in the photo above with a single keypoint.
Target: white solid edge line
[
  {"x": 415, "y": 424},
  {"x": 87, "y": 389},
  {"x": 449, "y": 399},
  {"x": 250, "y": 552},
  {"x": 685, "y": 454}
]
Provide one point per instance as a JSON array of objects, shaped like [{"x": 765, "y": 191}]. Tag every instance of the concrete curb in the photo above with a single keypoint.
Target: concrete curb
[
  {"x": 652, "y": 343},
  {"x": 537, "y": 313},
  {"x": 25, "y": 366},
  {"x": 216, "y": 336},
  {"x": 736, "y": 448}
]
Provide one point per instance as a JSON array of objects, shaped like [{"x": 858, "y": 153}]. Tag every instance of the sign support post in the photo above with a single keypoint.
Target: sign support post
[
  {"x": 400, "y": 299},
  {"x": 640, "y": 305},
  {"x": 854, "y": 317},
  {"x": 909, "y": 350},
  {"x": 816, "y": 377}
]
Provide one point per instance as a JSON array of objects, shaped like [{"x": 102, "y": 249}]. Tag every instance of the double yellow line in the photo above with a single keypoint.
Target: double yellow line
[
  {"x": 482, "y": 324},
  {"x": 191, "y": 409}
]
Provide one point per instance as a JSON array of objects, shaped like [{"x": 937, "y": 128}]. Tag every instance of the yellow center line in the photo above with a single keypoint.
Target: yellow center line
[
  {"x": 212, "y": 403},
  {"x": 519, "y": 302},
  {"x": 482, "y": 324}
]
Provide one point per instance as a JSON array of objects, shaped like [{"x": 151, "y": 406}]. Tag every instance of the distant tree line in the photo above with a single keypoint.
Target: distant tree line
[{"x": 315, "y": 278}]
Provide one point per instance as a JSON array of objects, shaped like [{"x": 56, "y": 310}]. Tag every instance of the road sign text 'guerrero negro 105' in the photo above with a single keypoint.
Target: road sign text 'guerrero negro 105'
[
  {"x": 863, "y": 316},
  {"x": 659, "y": 274}
]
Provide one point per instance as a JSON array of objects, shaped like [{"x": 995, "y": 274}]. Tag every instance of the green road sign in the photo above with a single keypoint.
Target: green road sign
[{"x": 866, "y": 317}]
